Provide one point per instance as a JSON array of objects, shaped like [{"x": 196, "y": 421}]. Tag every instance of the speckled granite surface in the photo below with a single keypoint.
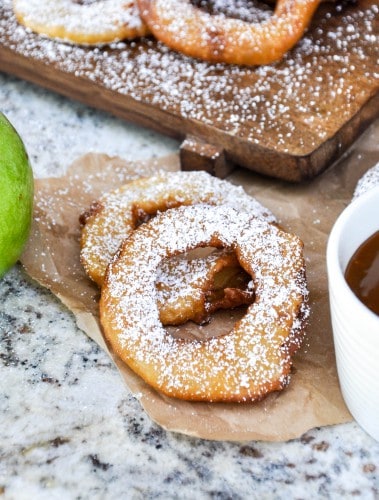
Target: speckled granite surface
[{"x": 70, "y": 430}]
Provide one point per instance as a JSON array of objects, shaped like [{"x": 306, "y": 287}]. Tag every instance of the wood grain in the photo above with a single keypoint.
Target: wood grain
[{"x": 290, "y": 120}]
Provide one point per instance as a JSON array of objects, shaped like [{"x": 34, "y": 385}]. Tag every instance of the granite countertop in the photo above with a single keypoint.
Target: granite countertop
[{"x": 70, "y": 429}]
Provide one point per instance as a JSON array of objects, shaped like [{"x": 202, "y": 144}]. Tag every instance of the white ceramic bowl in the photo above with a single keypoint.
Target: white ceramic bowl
[{"x": 355, "y": 327}]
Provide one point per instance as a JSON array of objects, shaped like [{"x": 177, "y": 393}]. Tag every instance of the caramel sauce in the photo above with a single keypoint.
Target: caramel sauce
[{"x": 362, "y": 273}]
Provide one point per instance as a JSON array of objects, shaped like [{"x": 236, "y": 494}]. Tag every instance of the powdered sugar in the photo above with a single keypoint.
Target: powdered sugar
[
  {"x": 89, "y": 22},
  {"x": 222, "y": 38},
  {"x": 243, "y": 365},
  {"x": 368, "y": 181},
  {"x": 105, "y": 230},
  {"x": 240, "y": 9}
]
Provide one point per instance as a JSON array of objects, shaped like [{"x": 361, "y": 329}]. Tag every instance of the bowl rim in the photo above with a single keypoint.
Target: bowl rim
[{"x": 334, "y": 270}]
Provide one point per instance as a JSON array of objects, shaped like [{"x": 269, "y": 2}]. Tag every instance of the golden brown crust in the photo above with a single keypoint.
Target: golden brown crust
[
  {"x": 94, "y": 209},
  {"x": 216, "y": 38},
  {"x": 243, "y": 365},
  {"x": 95, "y": 23}
]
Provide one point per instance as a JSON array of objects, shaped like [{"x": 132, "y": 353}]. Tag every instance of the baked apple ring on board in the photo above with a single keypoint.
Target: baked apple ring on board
[
  {"x": 82, "y": 22},
  {"x": 113, "y": 218},
  {"x": 217, "y": 38},
  {"x": 247, "y": 363}
]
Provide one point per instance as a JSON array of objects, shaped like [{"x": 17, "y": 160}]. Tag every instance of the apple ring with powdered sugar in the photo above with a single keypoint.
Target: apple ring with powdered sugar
[
  {"x": 194, "y": 32},
  {"x": 243, "y": 365},
  {"x": 83, "y": 22}
]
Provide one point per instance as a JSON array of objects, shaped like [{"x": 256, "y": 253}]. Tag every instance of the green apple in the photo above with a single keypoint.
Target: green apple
[{"x": 16, "y": 195}]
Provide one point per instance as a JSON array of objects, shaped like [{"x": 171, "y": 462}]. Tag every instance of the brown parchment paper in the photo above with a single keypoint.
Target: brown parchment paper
[{"x": 313, "y": 397}]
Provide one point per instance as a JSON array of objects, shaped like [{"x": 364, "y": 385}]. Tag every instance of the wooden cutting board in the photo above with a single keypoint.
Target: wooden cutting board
[{"x": 290, "y": 120}]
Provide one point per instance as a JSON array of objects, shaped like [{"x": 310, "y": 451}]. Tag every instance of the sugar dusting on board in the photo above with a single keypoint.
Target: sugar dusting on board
[
  {"x": 239, "y": 9},
  {"x": 284, "y": 97}
]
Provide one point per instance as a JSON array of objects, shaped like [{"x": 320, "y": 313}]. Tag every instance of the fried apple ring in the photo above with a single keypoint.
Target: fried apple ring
[
  {"x": 247, "y": 363},
  {"x": 216, "y": 38},
  {"x": 113, "y": 218},
  {"x": 82, "y": 22}
]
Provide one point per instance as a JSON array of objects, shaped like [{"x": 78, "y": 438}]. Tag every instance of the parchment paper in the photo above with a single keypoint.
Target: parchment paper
[{"x": 313, "y": 397}]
